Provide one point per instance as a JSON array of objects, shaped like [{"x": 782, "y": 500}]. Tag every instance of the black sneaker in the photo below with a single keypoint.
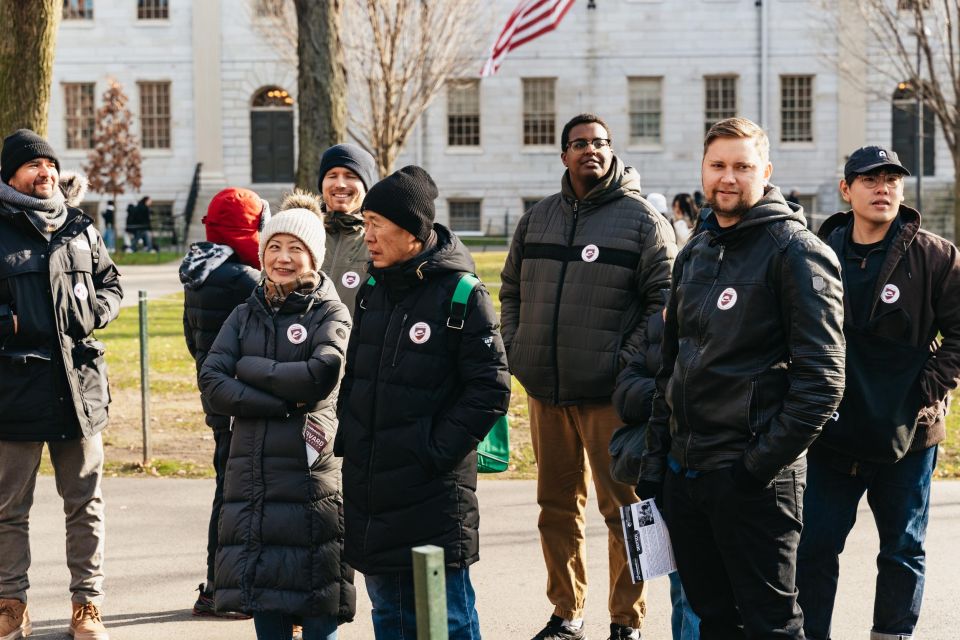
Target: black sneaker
[
  {"x": 620, "y": 632},
  {"x": 204, "y": 607},
  {"x": 556, "y": 630}
]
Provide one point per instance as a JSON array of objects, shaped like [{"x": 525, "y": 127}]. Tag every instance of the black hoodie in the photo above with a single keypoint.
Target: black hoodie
[
  {"x": 753, "y": 349},
  {"x": 416, "y": 399}
]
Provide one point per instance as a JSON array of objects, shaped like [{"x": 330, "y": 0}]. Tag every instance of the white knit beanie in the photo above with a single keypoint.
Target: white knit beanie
[{"x": 302, "y": 223}]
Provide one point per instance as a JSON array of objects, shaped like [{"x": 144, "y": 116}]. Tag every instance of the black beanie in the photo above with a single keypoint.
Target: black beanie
[
  {"x": 405, "y": 197},
  {"x": 21, "y": 147},
  {"x": 352, "y": 157}
]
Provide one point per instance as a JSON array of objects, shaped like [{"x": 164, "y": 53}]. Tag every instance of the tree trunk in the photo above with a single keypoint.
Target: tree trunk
[
  {"x": 956, "y": 199},
  {"x": 321, "y": 85},
  {"x": 26, "y": 62}
]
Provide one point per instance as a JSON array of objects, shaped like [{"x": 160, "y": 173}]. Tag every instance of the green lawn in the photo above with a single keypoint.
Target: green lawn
[
  {"x": 183, "y": 445},
  {"x": 143, "y": 257}
]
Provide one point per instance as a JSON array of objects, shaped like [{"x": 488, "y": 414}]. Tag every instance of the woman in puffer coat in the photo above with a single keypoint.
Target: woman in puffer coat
[{"x": 276, "y": 367}]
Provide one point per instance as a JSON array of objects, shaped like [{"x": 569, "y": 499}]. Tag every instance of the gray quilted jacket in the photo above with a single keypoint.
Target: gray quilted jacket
[{"x": 579, "y": 281}]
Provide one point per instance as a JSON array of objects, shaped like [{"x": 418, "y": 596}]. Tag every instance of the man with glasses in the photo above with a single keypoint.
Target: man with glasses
[
  {"x": 901, "y": 289},
  {"x": 586, "y": 268}
]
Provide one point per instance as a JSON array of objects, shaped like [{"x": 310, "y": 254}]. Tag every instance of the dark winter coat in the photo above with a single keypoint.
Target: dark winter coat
[
  {"x": 346, "y": 260},
  {"x": 417, "y": 398},
  {"x": 215, "y": 282},
  {"x": 281, "y": 527},
  {"x": 633, "y": 396},
  {"x": 578, "y": 284},
  {"x": 53, "y": 378},
  {"x": 753, "y": 348},
  {"x": 925, "y": 269}
]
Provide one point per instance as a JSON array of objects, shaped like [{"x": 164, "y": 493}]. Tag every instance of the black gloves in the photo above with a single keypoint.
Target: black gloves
[{"x": 647, "y": 489}]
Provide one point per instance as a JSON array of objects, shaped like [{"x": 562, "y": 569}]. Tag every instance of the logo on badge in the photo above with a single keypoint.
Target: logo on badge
[
  {"x": 420, "y": 333},
  {"x": 590, "y": 253},
  {"x": 890, "y": 294},
  {"x": 727, "y": 299},
  {"x": 80, "y": 290},
  {"x": 882, "y": 154},
  {"x": 296, "y": 333},
  {"x": 350, "y": 279}
]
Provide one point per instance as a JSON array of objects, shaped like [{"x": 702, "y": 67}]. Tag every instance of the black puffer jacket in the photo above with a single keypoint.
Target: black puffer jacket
[
  {"x": 281, "y": 527},
  {"x": 753, "y": 349},
  {"x": 925, "y": 269},
  {"x": 633, "y": 397},
  {"x": 417, "y": 398},
  {"x": 215, "y": 282},
  {"x": 578, "y": 284},
  {"x": 53, "y": 378}
]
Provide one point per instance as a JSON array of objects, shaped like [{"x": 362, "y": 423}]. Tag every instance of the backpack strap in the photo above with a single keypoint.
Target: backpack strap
[
  {"x": 364, "y": 289},
  {"x": 94, "y": 244},
  {"x": 461, "y": 296}
]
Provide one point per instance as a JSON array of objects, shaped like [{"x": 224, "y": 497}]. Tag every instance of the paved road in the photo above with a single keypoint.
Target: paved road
[
  {"x": 156, "y": 279},
  {"x": 156, "y": 530}
]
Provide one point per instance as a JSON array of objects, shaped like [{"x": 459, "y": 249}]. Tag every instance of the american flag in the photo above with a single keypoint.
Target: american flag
[{"x": 531, "y": 19}]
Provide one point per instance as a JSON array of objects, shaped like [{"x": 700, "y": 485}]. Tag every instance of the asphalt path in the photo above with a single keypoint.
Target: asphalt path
[
  {"x": 156, "y": 279},
  {"x": 156, "y": 532}
]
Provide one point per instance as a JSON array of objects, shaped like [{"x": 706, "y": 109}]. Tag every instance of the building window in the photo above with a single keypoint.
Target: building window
[
  {"x": 904, "y": 120},
  {"x": 539, "y": 111},
  {"x": 720, "y": 99},
  {"x": 464, "y": 215},
  {"x": 78, "y": 9},
  {"x": 271, "y": 136},
  {"x": 645, "y": 110},
  {"x": 79, "y": 114},
  {"x": 153, "y": 10},
  {"x": 463, "y": 113},
  {"x": 155, "y": 115},
  {"x": 529, "y": 202},
  {"x": 796, "y": 108}
]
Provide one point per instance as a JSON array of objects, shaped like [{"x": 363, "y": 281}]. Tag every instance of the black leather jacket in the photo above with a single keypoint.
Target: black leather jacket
[{"x": 753, "y": 348}]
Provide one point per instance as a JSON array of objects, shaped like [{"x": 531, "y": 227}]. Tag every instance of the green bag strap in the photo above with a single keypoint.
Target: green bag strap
[{"x": 458, "y": 303}]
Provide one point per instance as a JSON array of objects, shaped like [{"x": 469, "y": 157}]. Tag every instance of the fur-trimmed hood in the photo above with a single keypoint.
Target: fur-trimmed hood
[{"x": 74, "y": 186}]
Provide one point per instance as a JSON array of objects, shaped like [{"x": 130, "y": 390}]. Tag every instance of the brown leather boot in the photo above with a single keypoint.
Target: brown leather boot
[
  {"x": 14, "y": 619},
  {"x": 86, "y": 623}
]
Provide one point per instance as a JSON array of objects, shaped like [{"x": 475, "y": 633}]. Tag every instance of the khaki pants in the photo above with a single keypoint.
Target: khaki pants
[
  {"x": 78, "y": 468},
  {"x": 569, "y": 442}
]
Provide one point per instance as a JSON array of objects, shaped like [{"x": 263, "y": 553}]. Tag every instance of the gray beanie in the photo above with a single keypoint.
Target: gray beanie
[{"x": 302, "y": 223}]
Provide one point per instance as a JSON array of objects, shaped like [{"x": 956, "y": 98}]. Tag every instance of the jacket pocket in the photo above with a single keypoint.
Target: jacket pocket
[
  {"x": 28, "y": 391},
  {"x": 92, "y": 373}
]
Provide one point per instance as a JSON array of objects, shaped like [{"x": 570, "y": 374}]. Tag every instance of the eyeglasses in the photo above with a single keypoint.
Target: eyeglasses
[
  {"x": 892, "y": 180},
  {"x": 580, "y": 144}
]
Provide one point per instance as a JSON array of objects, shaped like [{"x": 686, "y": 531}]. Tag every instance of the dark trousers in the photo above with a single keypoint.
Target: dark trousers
[
  {"x": 736, "y": 551},
  {"x": 221, "y": 452},
  {"x": 899, "y": 497}
]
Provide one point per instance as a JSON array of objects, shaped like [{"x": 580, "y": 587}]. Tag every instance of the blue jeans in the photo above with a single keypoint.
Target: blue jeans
[
  {"x": 395, "y": 612},
  {"x": 683, "y": 621},
  {"x": 899, "y": 496},
  {"x": 279, "y": 626}
]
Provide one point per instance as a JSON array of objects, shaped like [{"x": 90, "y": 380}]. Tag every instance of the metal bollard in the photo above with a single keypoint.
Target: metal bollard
[
  {"x": 144, "y": 378},
  {"x": 430, "y": 590}
]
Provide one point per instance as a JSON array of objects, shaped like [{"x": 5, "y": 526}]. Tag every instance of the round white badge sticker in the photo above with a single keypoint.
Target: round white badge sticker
[
  {"x": 350, "y": 279},
  {"x": 296, "y": 333},
  {"x": 80, "y": 290},
  {"x": 590, "y": 253},
  {"x": 890, "y": 294},
  {"x": 420, "y": 333},
  {"x": 727, "y": 299}
]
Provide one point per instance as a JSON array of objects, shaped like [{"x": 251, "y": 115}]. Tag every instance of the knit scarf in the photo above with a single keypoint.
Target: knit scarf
[
  {"x": 337, "y": 221},
  {"x": 47, "y": 215},
  {"x": 276, "y": 293}
]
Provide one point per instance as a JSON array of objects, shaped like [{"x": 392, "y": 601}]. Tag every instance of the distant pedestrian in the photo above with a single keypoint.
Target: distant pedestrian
[
  {"x": 217, "y": 276},
  {"x": 57, "y": 285},
  {"x": 684, "y": 217},
  {"x": 275, "y": 367},
  {"x": 346, "y": 173},
  {"x": 139, "y": 224},
  {"x": 109, "y": 225},
  {"x": 422, "y": 388}
]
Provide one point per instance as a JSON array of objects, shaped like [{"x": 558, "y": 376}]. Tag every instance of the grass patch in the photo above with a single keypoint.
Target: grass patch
[
  {"x": 143, "y": 257},
  {"x": 485, "y": 241},
  {"x": 948, "y": 460}
]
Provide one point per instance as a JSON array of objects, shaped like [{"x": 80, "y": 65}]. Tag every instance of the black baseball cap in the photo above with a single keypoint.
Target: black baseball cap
[{"x": 866, "y": 159}]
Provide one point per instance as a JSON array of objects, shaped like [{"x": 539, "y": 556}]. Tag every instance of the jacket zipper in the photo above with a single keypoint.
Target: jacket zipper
[
  {"x": 686, "y": 373},
  {"x": 556, "y": 307},
  {"x": 396, "y": 347}
]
